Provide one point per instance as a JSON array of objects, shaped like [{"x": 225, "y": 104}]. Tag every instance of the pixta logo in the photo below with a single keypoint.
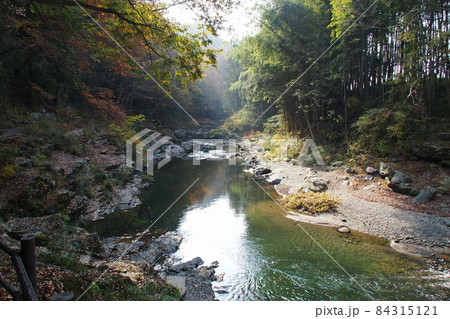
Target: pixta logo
[{"x": 145, "y": 149}]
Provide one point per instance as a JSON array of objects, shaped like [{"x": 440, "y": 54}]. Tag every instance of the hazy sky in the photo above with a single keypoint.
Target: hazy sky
[{"x": 240, "y": 20}]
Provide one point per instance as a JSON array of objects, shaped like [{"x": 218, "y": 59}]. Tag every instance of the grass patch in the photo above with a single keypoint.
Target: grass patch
[
  {"x": 8, "y": 154},
  {"x": 8, "y": 171},
  {"x": 66, "y": 259},
  {"x": 122, "y": 176},
  {"x": 311, "y": 202},
  {"x": 121, "y": 288}
]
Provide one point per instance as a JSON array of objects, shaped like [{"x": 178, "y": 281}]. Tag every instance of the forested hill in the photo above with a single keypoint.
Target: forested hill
[
  {"x": 367, "y": 80},
  {"x": 108, "y": 59},
  {"x": 368, "y": 76},
  {"x": 372, "y": 76}
]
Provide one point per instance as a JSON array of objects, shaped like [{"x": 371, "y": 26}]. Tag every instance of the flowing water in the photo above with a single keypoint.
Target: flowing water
[{"x": 265, "y": 256}]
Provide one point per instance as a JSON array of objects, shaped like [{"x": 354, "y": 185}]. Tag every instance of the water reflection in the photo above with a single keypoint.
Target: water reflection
[
  {"x": 218, "y": 232},
  {"x": 264, "y": 256}
]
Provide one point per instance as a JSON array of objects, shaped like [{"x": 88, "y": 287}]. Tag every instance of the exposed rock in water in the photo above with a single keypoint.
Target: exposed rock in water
[
  {"x": 198, "y": 285},
  {"x": 425, "y": 196},
  {"x": 187, "y": 266},
  {"x": 187, "y": 145},
  {"x": 193, "y": 280},
  {"x": 198, "y": 132},
  {"x": 411, "y": 249}
]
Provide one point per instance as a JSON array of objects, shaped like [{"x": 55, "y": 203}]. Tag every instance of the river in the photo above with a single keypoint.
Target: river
[{"x": 226, "y": 217}]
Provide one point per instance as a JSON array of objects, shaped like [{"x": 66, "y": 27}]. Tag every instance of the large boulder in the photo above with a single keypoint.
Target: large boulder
[
  {"x": 186, "y": 266},
  {"x": 431, "y": 151},
  {"x": 198, "y": 284},
  {"x": 425, "y": 196},
  {"x": 139, "y": 251},
  {"x": 314, "y": 184},
  {"x": 400, "y": 178},
  {"x": 187, "y": 145},
  {"x": 263, "y": 171},
  {"x": 402, "y": 183},
  {"x": 275, "y": 181},
  {"x": 386, "y": 170},
  {"x": 372, "y": 171},
  {"x": 193, "y": 280}
]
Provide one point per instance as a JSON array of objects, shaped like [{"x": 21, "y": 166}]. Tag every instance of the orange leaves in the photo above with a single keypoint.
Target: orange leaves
[{"x": 103, "y": 101}]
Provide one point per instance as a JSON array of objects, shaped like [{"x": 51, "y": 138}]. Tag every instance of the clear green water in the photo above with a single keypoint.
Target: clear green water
[{"x": 228, "y": 218}]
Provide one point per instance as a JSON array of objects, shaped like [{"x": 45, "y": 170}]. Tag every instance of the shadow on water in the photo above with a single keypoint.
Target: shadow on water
[{"x": 264, "y": 256}]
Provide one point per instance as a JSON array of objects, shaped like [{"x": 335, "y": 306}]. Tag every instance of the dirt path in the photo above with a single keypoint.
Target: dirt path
[{"x": 368, "y": 206}]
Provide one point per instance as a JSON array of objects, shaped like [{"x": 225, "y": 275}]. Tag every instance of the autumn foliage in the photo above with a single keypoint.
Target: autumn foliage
[{"x": 59, "y": 53}]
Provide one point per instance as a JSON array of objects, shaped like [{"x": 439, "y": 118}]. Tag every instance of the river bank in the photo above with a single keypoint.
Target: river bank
[
  {"x": 367, "y": 204},
  {"x": 55, "y": 191},
  {"x": 72, "y": 190}
]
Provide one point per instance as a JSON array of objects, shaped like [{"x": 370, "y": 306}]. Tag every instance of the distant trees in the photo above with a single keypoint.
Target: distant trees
[
  {"x": 53, "y": 54},
  {"x": 393, "y": 59}
]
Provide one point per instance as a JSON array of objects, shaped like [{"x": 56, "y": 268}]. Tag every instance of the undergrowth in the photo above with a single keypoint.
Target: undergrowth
[{"x": 311, "y": 202}]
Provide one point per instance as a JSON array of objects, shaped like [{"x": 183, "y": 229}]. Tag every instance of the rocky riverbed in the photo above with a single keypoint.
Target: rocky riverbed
[
  {"x": 125, "y": 257},
  {"x": 67, "y": 186},
  {"x": 193, "y": 280},
  {"x": 369, "y": 203}
]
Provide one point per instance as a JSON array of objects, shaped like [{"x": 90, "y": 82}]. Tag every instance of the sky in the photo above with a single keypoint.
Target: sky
[{"x": 239, "y": 20}]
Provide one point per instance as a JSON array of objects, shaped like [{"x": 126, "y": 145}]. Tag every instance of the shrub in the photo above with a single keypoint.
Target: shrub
[
  {"x": 122, "y": 176},
  {"x": 117, "y": 287},
  {"x": 8, "y": 171},
  {"x": 148, "y": 178},
  {"x": 394, "y": 128},
  {"x": 241, "y": 121},
  {"x": 8, "y": 154},
  {"x": 83, "y": 186},
  {"x": 221, "y": 133},
  {"x": 121, "y": 132},
  {"x": 274, "y": 124},
  {"x": 311, "y": 202},
  {"x": 72, "y": 144},
  {"x": 281, "y": 146},
  {"x": 98, "y": 174}
]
